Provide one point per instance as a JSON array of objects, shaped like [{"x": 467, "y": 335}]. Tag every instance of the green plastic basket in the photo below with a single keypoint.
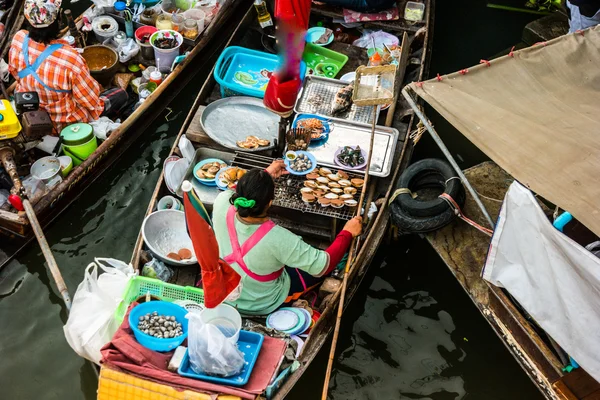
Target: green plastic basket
[
  {"x": 322, "y": 61},
  {"x": 140, "y": 285}
]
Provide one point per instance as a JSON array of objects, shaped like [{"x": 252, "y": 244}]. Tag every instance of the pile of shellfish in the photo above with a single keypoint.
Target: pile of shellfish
[{"x": 331, "y": 189}]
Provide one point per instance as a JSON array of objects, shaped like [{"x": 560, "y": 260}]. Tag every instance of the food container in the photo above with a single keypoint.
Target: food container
[
  {"x": 414, "y": 11},
  {"x": 164, "y": 22},
  {"x": 165, "y": 57},
  {"x": 177, "y": 21},
  {"x": 102, "y": 61},
  {"x": 190, "y": 29},
  {"x": 226, "y": 318},
  {"x": 149, "y": 16},
  {"x": 322, "y": 61},
  {"x": 47, "y": 170},
  {"x": 198, "y": 15},
  {"x": 162, "y": 308},
  {"x": 169, "y": 203},
  {"x": 79, "y": 142},
  {"x": 104, "y": 28}
]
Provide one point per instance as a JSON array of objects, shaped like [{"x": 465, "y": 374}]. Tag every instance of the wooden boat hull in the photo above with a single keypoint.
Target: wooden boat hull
[
  {"x": 464, "y": 251},
  {"x": 378, "y": 227},
  {"x": 16, "y": 226}
]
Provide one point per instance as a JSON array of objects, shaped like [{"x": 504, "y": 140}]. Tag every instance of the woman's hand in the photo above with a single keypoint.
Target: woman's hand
[
  {"x": 276, "y": 169},
  {"x": 354, "y": 226}
]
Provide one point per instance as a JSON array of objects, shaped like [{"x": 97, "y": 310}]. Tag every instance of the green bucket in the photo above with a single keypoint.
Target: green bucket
[{"x": 79, "y": 142}]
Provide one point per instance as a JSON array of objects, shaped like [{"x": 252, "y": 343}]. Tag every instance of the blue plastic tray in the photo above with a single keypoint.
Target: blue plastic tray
[
  {"x": 245, "y": 72},
  {"x": 326, "y": 127},
  {"x": 249, "y": 343}
]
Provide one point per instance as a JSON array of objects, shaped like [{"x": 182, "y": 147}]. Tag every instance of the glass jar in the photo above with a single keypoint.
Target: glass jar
[
  {"x": 149, "y": 16},
  {"x": 178, "y": 21},
  {"x": 164, "y": 22},
  {"x": 190, "y": 29}
]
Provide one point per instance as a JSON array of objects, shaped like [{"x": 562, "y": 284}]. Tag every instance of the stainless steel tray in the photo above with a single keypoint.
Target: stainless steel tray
[
  {"x": 316, "y": 97},
  {"x": 351, "y": 134},
  {"x": 207, "y": 194},
  {"x": 232, "y": 119}
]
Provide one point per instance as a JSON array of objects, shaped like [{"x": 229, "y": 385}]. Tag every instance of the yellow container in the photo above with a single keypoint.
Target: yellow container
[{"x": 9, "y": 123}]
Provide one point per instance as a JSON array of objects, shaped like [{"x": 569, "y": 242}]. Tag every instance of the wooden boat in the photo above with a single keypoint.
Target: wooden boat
[
  {"x": 15, "y": 225},
  {"x": 465, "y": 250},
  {"x": 320, "y": 230}
]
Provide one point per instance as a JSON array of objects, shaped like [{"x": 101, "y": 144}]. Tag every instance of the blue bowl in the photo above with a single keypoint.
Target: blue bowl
[
  {"x": 163, "y": 308},
  {"x": 313, "y": 34},
  {"x": 207, "y": 182},
  {"x": 312, "y": 159},
  {"x": 326, "y": 127}
]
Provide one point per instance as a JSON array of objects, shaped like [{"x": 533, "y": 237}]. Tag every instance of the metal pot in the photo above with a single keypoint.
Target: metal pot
[{"x": 102, "y": 62}]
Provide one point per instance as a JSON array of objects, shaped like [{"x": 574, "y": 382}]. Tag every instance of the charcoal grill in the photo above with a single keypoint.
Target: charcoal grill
[{"x": 287, "y": 189}]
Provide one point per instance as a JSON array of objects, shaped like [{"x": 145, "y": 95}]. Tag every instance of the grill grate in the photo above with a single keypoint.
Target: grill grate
[
  {"x": 287, "y": 189},
  {"x": 317, "y": 97}
]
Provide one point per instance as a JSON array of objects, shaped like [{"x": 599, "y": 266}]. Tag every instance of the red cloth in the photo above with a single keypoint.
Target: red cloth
[
  {"x": 337, "y": 249},
  {"x": 218, "y": 278},
  {"x": 125, "y": 354}
]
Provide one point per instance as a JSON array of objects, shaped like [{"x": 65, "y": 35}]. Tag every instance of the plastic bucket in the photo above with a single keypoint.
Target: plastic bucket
[
  {"x": 226, "y": 318},
  {"x": 146, "y": 48},
  {"x": 164, "y": 57},
  {"x": 80, "y": 153},
  {"x": 104, "y": 28},
  {"x": 198, "y": 15}
]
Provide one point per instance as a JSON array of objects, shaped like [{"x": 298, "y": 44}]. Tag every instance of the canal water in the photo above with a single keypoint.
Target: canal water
[{"x": 409, "y": 333}]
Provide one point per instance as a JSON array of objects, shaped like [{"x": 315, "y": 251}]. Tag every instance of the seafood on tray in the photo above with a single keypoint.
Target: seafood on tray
[
  {"x": 351, "y": 157},
  {"x": 327, "y": 188},
  {"x": 253, "y": 142},
  {"x": 342, "y": 100},
  {"x": 229, "y": 177},
  {"x": 209, "y": 170},
  {"x": 314, "y": 125}
]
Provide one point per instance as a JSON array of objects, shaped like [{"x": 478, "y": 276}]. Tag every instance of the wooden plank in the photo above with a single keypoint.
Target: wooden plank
[
  {"x": 563, "y": 391},
  {"x": 580, "y": 383},
  {"x": 593, "y": 396}
]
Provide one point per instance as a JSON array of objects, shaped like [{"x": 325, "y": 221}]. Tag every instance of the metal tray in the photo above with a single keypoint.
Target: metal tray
[
  {"x": 207, "y": 194},
  {"x": 344, "y": 133},
  {"x": 316, "y": 97},
  {"x": 232, "y": 119}
]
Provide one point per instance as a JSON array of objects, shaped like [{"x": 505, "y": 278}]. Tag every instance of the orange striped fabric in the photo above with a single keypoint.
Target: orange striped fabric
[{"x": 64, "y": 70}]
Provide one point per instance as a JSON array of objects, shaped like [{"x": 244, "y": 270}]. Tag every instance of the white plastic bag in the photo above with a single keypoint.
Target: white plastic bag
[
  {"x": 91, "y": 323},
  {"x": 210, "y": 351},
  {"x": 127, "y": 50}
]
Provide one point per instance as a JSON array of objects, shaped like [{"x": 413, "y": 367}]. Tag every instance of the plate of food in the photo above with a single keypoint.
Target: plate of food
[
  {"x": 206, "y": 170},
  {"x": 252, "y": 142},
  {"x": 228, "y": 177},
  {"x": 302, "y": 163},
  {"x": 320, "y": 127},
  {"x": 350, "y": 157}
]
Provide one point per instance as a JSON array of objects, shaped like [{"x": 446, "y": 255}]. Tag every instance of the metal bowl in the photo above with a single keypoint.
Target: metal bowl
[{"x": 165, "y": 232}]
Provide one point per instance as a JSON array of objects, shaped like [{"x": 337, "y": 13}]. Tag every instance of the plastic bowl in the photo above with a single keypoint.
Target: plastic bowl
[
  {"x": 165, "y": 232},
  {"x": 207, "y": 181},
  {"x": 312, "y": 159},
  {"x": 163, "y": 308},
  {"x": 226, "y": 318},
  {"x": 313, "y": 34}
]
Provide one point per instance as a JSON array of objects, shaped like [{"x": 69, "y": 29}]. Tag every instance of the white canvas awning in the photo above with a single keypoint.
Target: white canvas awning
[{"x": 536, "y": 113}]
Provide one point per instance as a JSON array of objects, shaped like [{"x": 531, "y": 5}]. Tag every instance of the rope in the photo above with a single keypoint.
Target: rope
[
  {"x": 449, "y": 179},
  {"x": 511, "y": 53},
  {"x": 460, "y": 214},
  {"x": 439, "y": 78},
  {"x": 486, "y": 62},
  {"x": 463, "y": 71},
  {"x": 398, "y": 192}
]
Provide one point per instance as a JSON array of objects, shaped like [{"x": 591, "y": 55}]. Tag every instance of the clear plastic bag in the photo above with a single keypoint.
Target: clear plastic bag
[
  {"x": 158, "y": 270},
  {"x": 210, "y": 351}
]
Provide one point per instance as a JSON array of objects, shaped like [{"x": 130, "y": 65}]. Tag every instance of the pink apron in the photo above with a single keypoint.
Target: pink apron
[{"x": 239, "y": 252}]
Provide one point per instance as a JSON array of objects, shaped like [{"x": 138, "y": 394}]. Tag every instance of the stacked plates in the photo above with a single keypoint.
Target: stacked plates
[
  {"x": 174, "y": 169},
  {"x": 290, "y": 320}
]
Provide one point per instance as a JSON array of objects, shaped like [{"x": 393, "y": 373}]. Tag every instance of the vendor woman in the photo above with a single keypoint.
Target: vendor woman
[
  {"x": 56, "y": 71},
  {"x": 276, "y": 265}
]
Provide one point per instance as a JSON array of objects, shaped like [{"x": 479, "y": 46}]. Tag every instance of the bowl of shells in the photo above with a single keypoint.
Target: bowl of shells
[
  {"x": 331, "y": 189},
  {"x": 302, "y": 164},
  {"x": 159, "y": 325},
  {"x": 227, "y": 178},
  {"x": 206, "y": 170}
]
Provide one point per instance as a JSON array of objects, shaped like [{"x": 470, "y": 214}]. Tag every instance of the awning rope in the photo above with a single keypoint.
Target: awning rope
[{"x": 460, "y": 214}]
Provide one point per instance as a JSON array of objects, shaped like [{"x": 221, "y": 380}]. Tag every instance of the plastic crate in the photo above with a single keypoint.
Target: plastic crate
[{"x": 140, "y": 285}]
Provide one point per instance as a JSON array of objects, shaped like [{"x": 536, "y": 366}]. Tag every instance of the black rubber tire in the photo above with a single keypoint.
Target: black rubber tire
[
  {"x": 430, "y": 172},
  {"x": 412, "y": 224}
]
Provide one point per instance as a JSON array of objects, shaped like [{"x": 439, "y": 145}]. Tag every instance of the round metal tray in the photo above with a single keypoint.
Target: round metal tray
[{"x": 232, "y": 119}]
